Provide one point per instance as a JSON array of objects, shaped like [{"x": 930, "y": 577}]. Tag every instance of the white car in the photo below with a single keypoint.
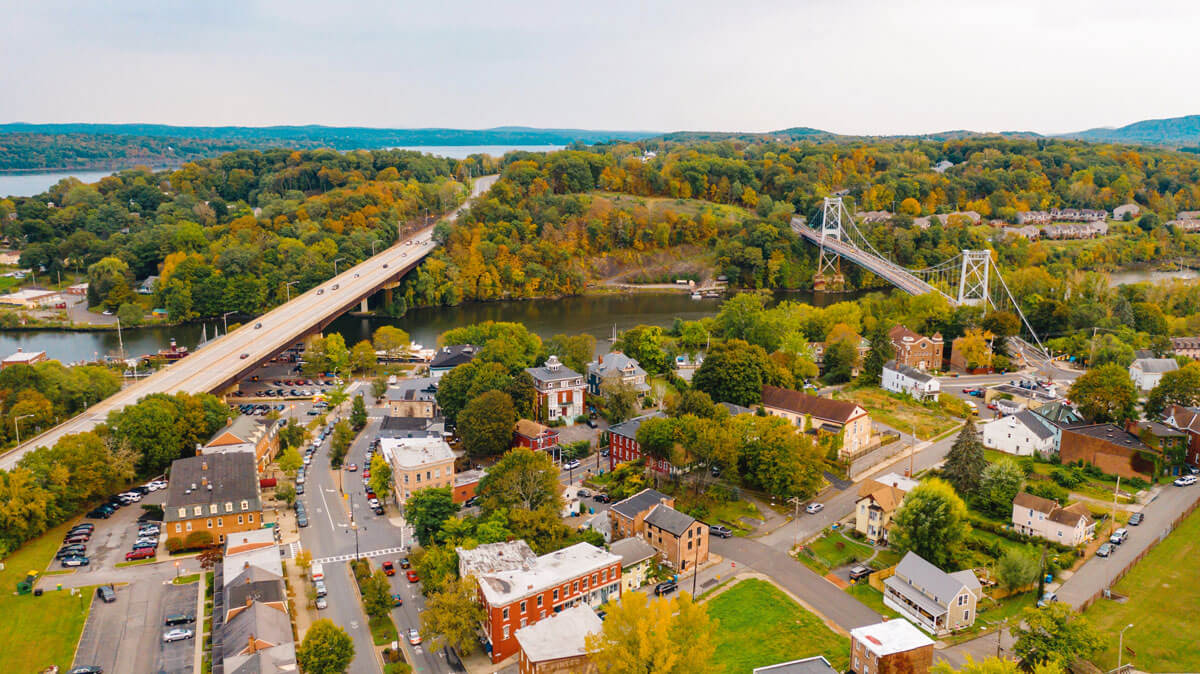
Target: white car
[
  {"x": 814, "y": 508},
  {"x": 414, "y": 637},
  {"x": 178, "y": 634},
  {"x": 155, "y": 485},
  {"x": 1185, "y": 481}
]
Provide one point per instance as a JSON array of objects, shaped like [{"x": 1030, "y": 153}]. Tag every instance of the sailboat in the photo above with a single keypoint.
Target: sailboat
[{"x": 614, "y": 334}]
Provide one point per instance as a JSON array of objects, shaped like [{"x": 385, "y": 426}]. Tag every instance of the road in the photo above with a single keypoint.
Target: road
[{"x": 223, "y": 360}]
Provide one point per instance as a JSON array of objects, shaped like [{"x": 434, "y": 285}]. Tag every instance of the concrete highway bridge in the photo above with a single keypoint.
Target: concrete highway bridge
[{"x": 227, "y": 359}]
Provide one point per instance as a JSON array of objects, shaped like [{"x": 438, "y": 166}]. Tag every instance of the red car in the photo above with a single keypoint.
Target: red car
[
  {"x": 412, "y": 576},
  {"x": 390, "y": 569},
  {"x": 141, "y": 553}
]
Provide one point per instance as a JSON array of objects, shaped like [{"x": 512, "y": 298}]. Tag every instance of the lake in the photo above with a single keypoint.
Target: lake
[{"x": 592, "y": 314}]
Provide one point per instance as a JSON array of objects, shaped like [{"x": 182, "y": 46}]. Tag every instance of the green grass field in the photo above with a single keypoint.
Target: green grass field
[
  {"x": 1163, "y": 599},
  {"x": 36, "y": 632},
  {"x": 899, "y": 413},
  {"x": 833, "y": 549},
  {"x": 872, "y": 598},
  {"x": 760, "y": 625}
]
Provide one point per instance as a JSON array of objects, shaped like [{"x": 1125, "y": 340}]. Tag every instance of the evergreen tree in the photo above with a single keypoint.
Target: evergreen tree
[
  {"x": 880, "y": 353},
  {"x": 965, "y": 463}
]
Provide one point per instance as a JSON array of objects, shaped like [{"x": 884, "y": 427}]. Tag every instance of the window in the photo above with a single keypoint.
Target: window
[
  {"x": 189, "y": 526},
  {"x": 689, "y": 545},
  {"x": 428, "y": 475},
  {"x": 220, "y": 522},
  {"x": 250, "y": 518},
  {"x": 178, "y": 527},
  {"x": 418, "y": 477},
  {"x": 556, "y": 594},
  {"x": 962, "y": 600},
  {"x": 504, "y": 613},
  {"x": 212, "y": 509},
  {"x": 575, "y": 586},
  {"x": 406, "y": 478},
  {"x": 240, "y": 520},
  {"x": 967, "y": 615},
  {"x": 209, "y": 524},
  {"x": 506, "y": 632},
  {"x": 585, "y": 584},
  {"x": 245, "y": 505},
  {"x": 182, "y": 512},
  {"x": 229, "y": 506},
  {"x": 196, "y": 511},
  {"x": 523, "y": 621},
  {"x": 595, "y": 578},
  {"x": 522, "y": 609},
  {"x": 539, "y": 601}
]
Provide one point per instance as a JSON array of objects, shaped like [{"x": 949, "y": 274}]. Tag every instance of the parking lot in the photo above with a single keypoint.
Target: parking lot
[
  {"x": 126, "y": 635},
  {"x": 113, "y": 537}
]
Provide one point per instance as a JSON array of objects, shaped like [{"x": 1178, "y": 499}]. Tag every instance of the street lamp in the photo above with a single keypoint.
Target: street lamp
[
  {"x": 1121, "y": 646},
  {"x": 288, "y": 287},
  {"x": 225, "y": 318},
  {"x": 335, "y": 265},
  {"x": 373, "y": 244},
  {"x": 17, "y": 426}
]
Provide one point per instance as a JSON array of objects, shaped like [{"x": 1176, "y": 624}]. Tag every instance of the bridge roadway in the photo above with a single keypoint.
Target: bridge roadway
[
  {"x": 885, "y": 269},
  {"x": 227, "y": 359}
]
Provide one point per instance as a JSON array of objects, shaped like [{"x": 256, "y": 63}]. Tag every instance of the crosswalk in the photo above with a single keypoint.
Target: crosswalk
[{"x": 372, "y": 553}]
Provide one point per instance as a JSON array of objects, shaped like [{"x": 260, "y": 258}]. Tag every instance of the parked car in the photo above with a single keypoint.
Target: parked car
[
  {"x": 718, "y": 530},
  {"x": 405, "y": 564},
  {"x": 665, "y": 587},
  {"x": 86, "y": 669},
  {"x": 1185, "y": 481},
  {"x": 858, "y": 572},
  {"x": 1119, "y": 536},
  {"x": 83, "y": 526},
  {"x": 1136, "y": 519},
  {"x": 592, "y": 423},
  {"x": 106, "y": 593},
  {"x": 301, "y": 519},
  {"x": 320, "y": 585},
  {"x": 571, "y": 465},
  {"x": 353, "y": 468},
  {"x": 389, "y": 568},
  {"x": 77, "y": 538},
  {"x": 140, "y": 553},
  {"x": 70, "y": 551},
  {"x": 584, "y": 493},
  {"x": 178, "y": 634},
  {"x": 377, "y": 509},
  {"x": 1104, "y": 550},
  {"x": 397, "y": 600},
  {"x": 601, "y": 498},
  {"x": 75, "y": 560},
  {"x": 321, "y": 603},
  {"x": 414, "y": 637},
  {"x": 101, "y": 513},
  {"x": 814, "y": 508},
  {"x": 412, "y": 576}
]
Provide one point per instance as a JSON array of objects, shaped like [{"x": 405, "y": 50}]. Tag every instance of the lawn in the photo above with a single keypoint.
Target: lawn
[
  {"x": 1163, "y": 597},
  {"x": 872, "y": 598},
  {"x": 759, "y": 625},
  {"x": 833, "y": 549},
  {"x": 383, "y": 630},
  {"x": 900, "y": 413},
  {"x": 36, "y": 632},
  {"x": 1094, "y": 487}
]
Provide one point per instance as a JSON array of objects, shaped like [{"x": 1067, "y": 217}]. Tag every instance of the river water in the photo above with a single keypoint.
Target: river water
[{"x": 596, "y": 315}]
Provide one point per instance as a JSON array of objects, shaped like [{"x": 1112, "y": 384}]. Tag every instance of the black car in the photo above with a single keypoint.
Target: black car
[
  {"x": 378, "y": 510},
  {"x": 70, "y": 551},
  {"x": 145, "y": 546},
  {"x": 665, "y": 587},
  {"x": 106, "y": 594},
  {"x": 1136, "y": 519},
  {"x": 718, "y": 530},
  {"x": 601, "y": 498},
  {"x": 100, "y": 513},
  {"x": 859, "y": 571}
]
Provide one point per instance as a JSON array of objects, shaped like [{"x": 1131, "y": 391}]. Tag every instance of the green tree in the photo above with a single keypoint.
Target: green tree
[
  {"x": 841, "y": 358},
  {"x": 644, "y": 343},
  {"x": 381, "y": 477},
  {"x": 391, "y": 340},
  {"x": 326, "y": 649},
  {"x": 965, "y": 462},
  {"x": 106, "y": 276},
  {"x": 130, "y": 314},
  {"x": 696, "y": 403},
  {"x": 358, "y": 413},
  {"x": 427, "y": 510},
  {"x": 992, "y": 666},
  {"x": 932, "y": 522},
  {"x": 521, "y": 479},
  {"x": 377, "y": 594},
  {"x": 1016, "y": 570},
  {"x": 286, "y": 492},
  {"x": 437, "y": 565},
  {"x": 776, "y": 457},
  {"x": 881, "y": 352},
  {"x": 620, "y": 399},
  {"x": 340, "y": 444},
  {"x": 452, "y": 615},
  {"x": 575, "y": 351},
  {"x": 289, "y": 460},
  {"x": 453, "y": 388},
  {"x": 1000, "y": 484},
  {"x": 379, "y": 386},
  {"x": 665, "y": 636},
  {"x": 734, "y": 372},
  {"x": 292, "y": 435},
  {"x": 1105, "y": 393},
  {"x": 363, "y": 358},
  {"x": 486, "y": 424},
  {"x": 337, "y": 353},
  {"x": 1053, "y": 634},
  {"x": 1180, "y": 387}
]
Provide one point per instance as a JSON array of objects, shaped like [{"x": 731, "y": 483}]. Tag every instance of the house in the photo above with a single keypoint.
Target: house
[
  {"x": 23, "y": 357},
  {"x": 1029, "y": 232},
  {"x": 874, "y": 217},
  {"x": 418, "y": 463},
  {"x": 628, "y": 516},
  {"x": 559, "y": 391},
  {"x": 916, "y": 350},
  {"x": 735, "y": 410},
  {"x": 616, "y": 367},
  {"x": 146, "y": 287},
  {"x": 1186, "y": 420},
  {"x": 943, "y": 166},
  {"x": 557, "y": 644},
  {"x": 1132, "y": 210},
  {"x": 1147, "y": 372},
  {"x": 1020, "y": 434},
  {"x": 681, "y": 538},
  {"x": 33, "y": 298},
  {"x": 1020, "y": 396},
  {"x": 410, "y": 427},
  {"x": 1186, "y": 346},
  {"x": 811, "y": 414},
  {"x": 79, "y": 289},
  {"x": 449, "y": 357},
  {"x": 899, "y": 378},
  {"x": 1110, "y": 449},
  {"x": 217, "y": 493},
  {"x": 817, "y": 664},
  {"x": 936, "y": 601},
  {"x": 877, "y": 501},
  {"x": 1044, "y": 518},
  {"x": 1160, "y": 437},
  {"x": 415, "y": 397},
  {"x": 259, "y": 437},
  {"x": 253, "y": 628},
  {"x": 535, "y": 436},
  {"x": 623, "y": 444},
  {"x": 466, "y": 484},
  {"x": 890, "y": 647},
  {"x": 636, "y": 555},
  {"x": 518, "y": 589}
]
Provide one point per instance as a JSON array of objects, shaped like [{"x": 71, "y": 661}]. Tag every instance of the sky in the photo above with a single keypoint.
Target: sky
[{"x": 847, "y": 66}]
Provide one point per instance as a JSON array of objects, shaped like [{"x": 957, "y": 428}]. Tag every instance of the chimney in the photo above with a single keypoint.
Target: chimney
[
  {"x": 252, "y": 647},
  {"x": 245, "y": 565},
  {"x": 600, "y": 359}
]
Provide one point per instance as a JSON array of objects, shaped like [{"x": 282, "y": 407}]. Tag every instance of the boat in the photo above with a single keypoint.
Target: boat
[
  {"x": 172, "y": 353},
  {"x": 696, "y": 295}
]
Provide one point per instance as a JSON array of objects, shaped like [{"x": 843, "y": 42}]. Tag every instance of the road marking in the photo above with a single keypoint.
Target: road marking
[
  {"x": 346, "y": 558},
  {"x": 332, "y": 526}
]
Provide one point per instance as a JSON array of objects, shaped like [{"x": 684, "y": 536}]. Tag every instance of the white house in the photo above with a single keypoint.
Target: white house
[
  {"x": 1147, "y": 372},
  {"x": 1020, "y": 434},
  {"x": 904, "y": 379},
  {"x": 1042, "y": 517}
]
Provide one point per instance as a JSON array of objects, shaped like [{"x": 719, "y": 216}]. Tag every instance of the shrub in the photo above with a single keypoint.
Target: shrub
[
  {"x": 174, "y": 545},
  {"x": 197, "y": 540},
  {"x": 1067, "y": 477},
  {"x": 1047, "y": 490},
  {"x": 1137, "y": 483},
  {"x": 1027, "y": 465}
]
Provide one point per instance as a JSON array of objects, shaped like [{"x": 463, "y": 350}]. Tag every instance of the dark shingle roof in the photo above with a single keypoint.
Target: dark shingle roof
[
  {"x": 910, "y": 372},
  {"x": 814, "y": 665},
  {"x": 669, "y": 519},
  {"x": 232, "y": 476},
  {"x": 391, "y": 423},
  {"x": 801, "y": 403},
  {"x": 1112, "y": 434},
  {"x": 629, "y": 429},
  {"x": 1031, "y": 421},
  {"x": 452, "y": 356},
  {"x": 260, "y": 591},
  {"x": 639, "y": 503}
]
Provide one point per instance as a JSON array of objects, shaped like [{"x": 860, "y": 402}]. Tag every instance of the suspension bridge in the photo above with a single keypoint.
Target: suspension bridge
[{"x": 969, "y": 278}]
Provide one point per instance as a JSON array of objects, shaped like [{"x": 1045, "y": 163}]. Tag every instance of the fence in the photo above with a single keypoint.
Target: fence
[{"x": 1124, "y": 570}]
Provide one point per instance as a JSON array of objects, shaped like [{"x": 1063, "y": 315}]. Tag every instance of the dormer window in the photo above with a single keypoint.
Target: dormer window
[
  {"x": 245, "y": 505},
  {"x": 212, "y": 509},
  {"x": 197, "y": 510},
  {"x": 182, "y": 512},
  {"x": 229, "y": 506}
]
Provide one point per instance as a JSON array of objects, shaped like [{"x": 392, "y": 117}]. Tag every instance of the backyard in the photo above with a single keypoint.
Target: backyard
[
  {"x": 1163, "y": 596},
  {"x": 760, "y": 625},
  {"x": 901, "y": 413},
  {"x": 831, "y": 550},
  {"x": 36, "y": 632},
  {"x": 1100, "y": 488}
]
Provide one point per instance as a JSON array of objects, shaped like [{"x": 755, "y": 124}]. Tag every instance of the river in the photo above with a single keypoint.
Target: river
[
  {"x": 28, "y": 184},
  {"x": 592, "y": 314}
]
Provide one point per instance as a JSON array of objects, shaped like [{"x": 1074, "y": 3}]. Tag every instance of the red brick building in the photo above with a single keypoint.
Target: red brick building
[
  {"x": 1110, "y": 449},
  {"x": 916, "y": 350},
  {"x": 535, "y": 436},
  {"x": 518, "y": 588},
  {"x": 892, "y": 647},
  {"x": 1188, "y": 421},
  {"x": 623, "y": 444}
]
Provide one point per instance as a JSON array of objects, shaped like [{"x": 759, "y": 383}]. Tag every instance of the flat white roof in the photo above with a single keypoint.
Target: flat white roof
[
  {"x": 897, "y": 480},
  {"x": 28, "y": 294},
  {"x": 25, "y": 356},
  {"x": 504, "y": 587},
  {"x": 562, "y": 635},
  {"x": 893, "y": 636},
  {"x": 415, "y": 452}
]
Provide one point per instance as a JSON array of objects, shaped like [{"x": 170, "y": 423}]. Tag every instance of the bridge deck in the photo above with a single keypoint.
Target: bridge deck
[{"x": 885, "y": 269}]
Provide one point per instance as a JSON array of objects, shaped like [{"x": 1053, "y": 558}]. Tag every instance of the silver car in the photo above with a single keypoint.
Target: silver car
[{"x": 178, "y": 634}]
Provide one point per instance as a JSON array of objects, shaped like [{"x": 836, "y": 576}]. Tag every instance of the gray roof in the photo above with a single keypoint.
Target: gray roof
[
  {"x": 237, "y": 594},
  {"x": 1035, "y": 424},
  {"x": 614, "y": 364},
  {"x": 638, "y": 503},
  {"x": 915, "y": 596},
  {"x": 1158, "y": 365},
  {"x": 629, "y": 429},
  {"x": 1060, "y": 414},
  {"x": 269, "y": 661},
  {"x": 420, "y": 389},
  {"x": 910, "y": 372},
  {"x": 264, "y": 623},
  {"x": 1112, "y": 434},
  {"x": 452, "y": 356},
  {"x": 552, "y": 370},
  {"x": 817, "y": 664},
  {"x": 232, "y": 478},
  {"x": 243, "y": 426},
  {"x": 735, "y": 410},
  {"x": 927, "y": 579},
  {"x": 632, "y": 550},
  {"x": 669, "y": 519}
]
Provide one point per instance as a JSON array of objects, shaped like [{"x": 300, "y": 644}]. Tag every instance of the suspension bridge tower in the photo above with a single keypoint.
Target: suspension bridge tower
[
  {"x": 829, "y": 267},
  {"x": 973, "y": 277}
]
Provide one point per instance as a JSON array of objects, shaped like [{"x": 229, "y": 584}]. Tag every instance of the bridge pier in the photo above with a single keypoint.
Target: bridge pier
[
  {"x": 362, "y": 306},
  {"x": 829, "y": 283}
]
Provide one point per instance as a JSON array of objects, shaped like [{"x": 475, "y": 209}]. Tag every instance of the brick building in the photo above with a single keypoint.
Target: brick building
[
  {"x": 413, "y": 398},
  {"x": 259, "y": 437},
  {"x": 518, "y": 588},
  {"x": 916, "y": 350},
  {"x": 558, "y": 643},
  {"x": 680, "y": 539},
  {"x": 1110, "y": 449},
  {"x": 535, "y": 436},
  {"x": 418, "y": 463},
  {"x": 1187, "y": 420},
  {"x": 623, "y": 444},
  {"x": 217, "y": 493},
  {"x": 891, "y": 647}
]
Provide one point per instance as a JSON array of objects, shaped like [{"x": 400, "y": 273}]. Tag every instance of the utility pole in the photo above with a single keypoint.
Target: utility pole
[
  {"x": 912, "y": 446},
  {"x": 795, "y": 501},
  {"x": 17, "y": 426},
  {"x": 696, "y": 568},
  {"x": 288, "y": 287},
  {"x": 225, "y": 318},
  {"x": 1121, "y": 646}
]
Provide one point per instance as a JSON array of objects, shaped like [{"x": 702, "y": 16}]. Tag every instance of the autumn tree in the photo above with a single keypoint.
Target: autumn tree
[
  {"x": 734, "y": 371},
  {"x": 391, "y": 340},
  {"x": 289, "y": 461},
  {"x": 452, "y": 615},
  {"x": 665, "y": 636},
  {"x": 521, "y": 479},
  {"x": 363, "y": 358},
  {"x": 1053, "y": 634},
  {"x": 932, "y": 522},
  {"x": 326, "y": 649},
  {"x": 381, "y": 477},
  {"x": 427, "y": 510},
  {"x": 1105, "y": 393}
]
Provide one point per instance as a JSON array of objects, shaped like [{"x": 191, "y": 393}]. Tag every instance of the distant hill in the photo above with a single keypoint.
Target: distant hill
[{"x": 1175, "y": 131}]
